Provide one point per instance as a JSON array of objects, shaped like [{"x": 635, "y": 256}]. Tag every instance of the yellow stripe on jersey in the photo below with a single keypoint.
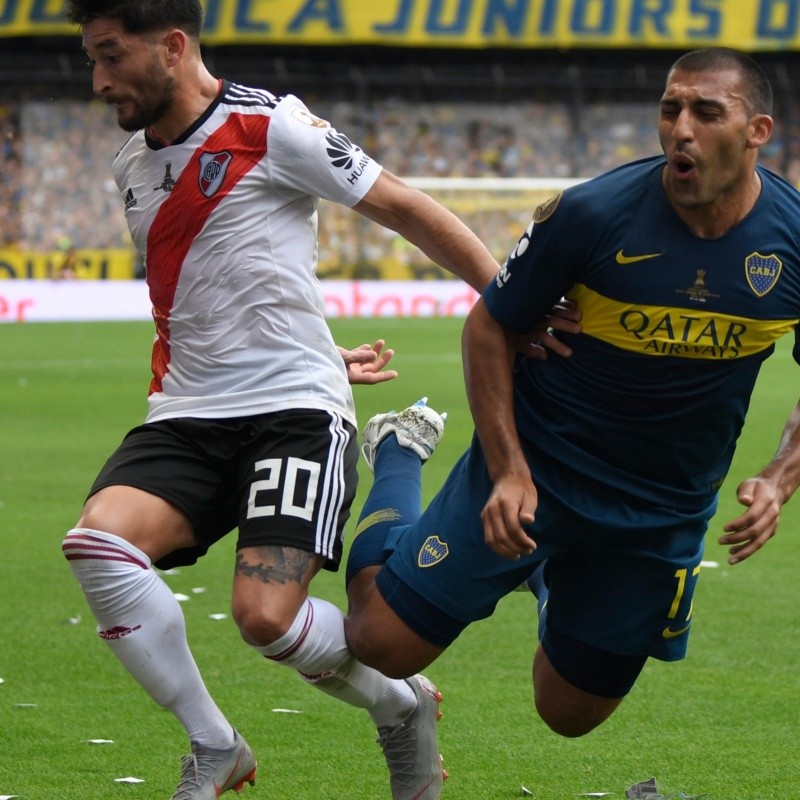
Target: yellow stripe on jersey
[{"x": 675, "y": 331}]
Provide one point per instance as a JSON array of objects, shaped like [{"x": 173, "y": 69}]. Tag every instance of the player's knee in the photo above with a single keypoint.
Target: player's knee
[
  {"x": 385, "y": 643},
  {"x": 361, "y": 642},
  {"x": 569, "y": 720},
  {"x": 261, "y": 624},
  {"x": 372, "y": 647},
  {"x": 576, "y": 686}
]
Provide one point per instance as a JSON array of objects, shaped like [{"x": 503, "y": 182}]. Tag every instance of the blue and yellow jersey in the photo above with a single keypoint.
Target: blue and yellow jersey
[{"x": 675, "y": 329}]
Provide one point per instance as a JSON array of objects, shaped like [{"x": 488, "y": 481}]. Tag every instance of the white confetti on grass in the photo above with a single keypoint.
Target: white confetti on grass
[
  {"x": 709, "y": 564},
  {"x": 181, "y": 598},
  {"x": 129, "y": 780},
  {"x": 217, "y": 616},
  {"x": 198, "y": 590},
  {"x": 286, "y": 711},
  {"x": 638, "y": 790},
  {"x": 99, "y": 741}
]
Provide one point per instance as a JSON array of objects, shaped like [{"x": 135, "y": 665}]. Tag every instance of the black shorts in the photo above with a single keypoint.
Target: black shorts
[{"x": 285, "y": 479}]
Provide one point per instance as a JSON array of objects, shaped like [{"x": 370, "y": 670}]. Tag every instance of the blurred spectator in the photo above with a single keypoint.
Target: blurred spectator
[{"x": 63, "y": 266}]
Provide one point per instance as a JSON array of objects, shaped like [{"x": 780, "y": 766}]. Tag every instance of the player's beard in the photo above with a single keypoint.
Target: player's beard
[{"x": 153, "y": 99}]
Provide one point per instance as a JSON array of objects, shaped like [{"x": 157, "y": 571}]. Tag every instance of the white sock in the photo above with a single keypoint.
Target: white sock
[
  {"x": 142, "y": 622},
  {"x": 315, "y": 646}
]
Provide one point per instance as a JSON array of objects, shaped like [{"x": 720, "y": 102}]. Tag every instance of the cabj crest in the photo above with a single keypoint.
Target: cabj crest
[
  {"x": 762, "y": 272},
  {"x": 432, "y": 552}
]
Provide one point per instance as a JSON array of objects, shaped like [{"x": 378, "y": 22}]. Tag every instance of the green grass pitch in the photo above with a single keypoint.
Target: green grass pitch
[{"x": 721, "y": 723}]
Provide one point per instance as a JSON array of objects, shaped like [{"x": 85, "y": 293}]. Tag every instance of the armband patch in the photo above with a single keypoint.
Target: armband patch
[{"x": 546, "y": 209}]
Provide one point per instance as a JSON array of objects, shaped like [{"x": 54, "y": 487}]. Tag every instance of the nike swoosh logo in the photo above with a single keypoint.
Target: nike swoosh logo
[
  {"x": 668, "y": 633},
  {"x": 228, "y": 785},
  {"x": 623, "y": 259}
]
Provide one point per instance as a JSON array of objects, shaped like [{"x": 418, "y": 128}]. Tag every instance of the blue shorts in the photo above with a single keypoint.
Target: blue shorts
[{"x": 613, "y": 586}]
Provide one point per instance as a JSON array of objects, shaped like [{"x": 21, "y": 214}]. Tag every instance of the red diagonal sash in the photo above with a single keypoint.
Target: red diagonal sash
[{"x": 184, "y": 214}]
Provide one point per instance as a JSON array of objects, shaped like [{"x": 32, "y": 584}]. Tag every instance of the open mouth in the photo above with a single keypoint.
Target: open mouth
[{"x": 682, "y": 165}]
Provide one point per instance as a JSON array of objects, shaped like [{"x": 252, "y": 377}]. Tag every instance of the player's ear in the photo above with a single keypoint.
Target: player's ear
[
  {"x": 176, "y": 43},
  {"x": 760, "y": 129}
]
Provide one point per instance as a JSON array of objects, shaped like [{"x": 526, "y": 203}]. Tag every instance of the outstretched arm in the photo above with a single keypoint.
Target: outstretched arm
[
  {"x": 763, "y": 496},
  {"x": 439, "y": 233},
  {"x": 487, "y": 355},
  {"x": 366, "y": 364},
  {"x": 447, "y": 241}
]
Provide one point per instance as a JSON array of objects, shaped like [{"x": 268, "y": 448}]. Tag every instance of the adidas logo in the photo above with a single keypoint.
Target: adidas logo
[
  {"x": 130, "y": 200},
  {"x": 118, "y": 632}
]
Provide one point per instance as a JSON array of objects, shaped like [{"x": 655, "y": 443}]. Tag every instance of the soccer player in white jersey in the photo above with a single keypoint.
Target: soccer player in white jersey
[{"x": 251, "y": 419}]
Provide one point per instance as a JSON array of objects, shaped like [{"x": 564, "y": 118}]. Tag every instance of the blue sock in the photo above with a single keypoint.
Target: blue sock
[
  {"x": 537, "y": 585},
  {"x": 394, "y": 499}
]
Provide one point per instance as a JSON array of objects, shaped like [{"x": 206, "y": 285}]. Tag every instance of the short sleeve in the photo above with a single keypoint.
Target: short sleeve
[
  {"x": 541, "y": 268},
  {"x": 306, "y": 153}
]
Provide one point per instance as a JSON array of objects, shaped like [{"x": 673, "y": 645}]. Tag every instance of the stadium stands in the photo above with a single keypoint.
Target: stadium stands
[
  {"x": 67, "y": 189},
  {"x": 416, "y": 118}
]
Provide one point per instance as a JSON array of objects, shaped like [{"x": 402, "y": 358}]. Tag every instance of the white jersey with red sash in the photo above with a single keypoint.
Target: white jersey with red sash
[{"x": 226, "y": 221}]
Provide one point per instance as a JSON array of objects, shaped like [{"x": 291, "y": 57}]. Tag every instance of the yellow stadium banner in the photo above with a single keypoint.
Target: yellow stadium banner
[
  {"x": 82, "y": 265},
  {"x": 682, "y": 24}
]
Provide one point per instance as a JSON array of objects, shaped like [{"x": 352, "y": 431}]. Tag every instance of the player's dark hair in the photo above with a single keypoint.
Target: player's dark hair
[
  {"x": 757, "y": 86},
  {"x": 140, "y": 16}
]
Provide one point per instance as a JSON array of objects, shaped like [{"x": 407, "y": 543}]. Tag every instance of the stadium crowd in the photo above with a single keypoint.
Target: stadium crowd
[
  {"x": 67, "y": 190},
  {"x": 56, "y": 188}
]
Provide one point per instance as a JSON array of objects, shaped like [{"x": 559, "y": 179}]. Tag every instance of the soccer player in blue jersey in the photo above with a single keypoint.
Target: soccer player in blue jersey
[{"x": 593, "y": 478}]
